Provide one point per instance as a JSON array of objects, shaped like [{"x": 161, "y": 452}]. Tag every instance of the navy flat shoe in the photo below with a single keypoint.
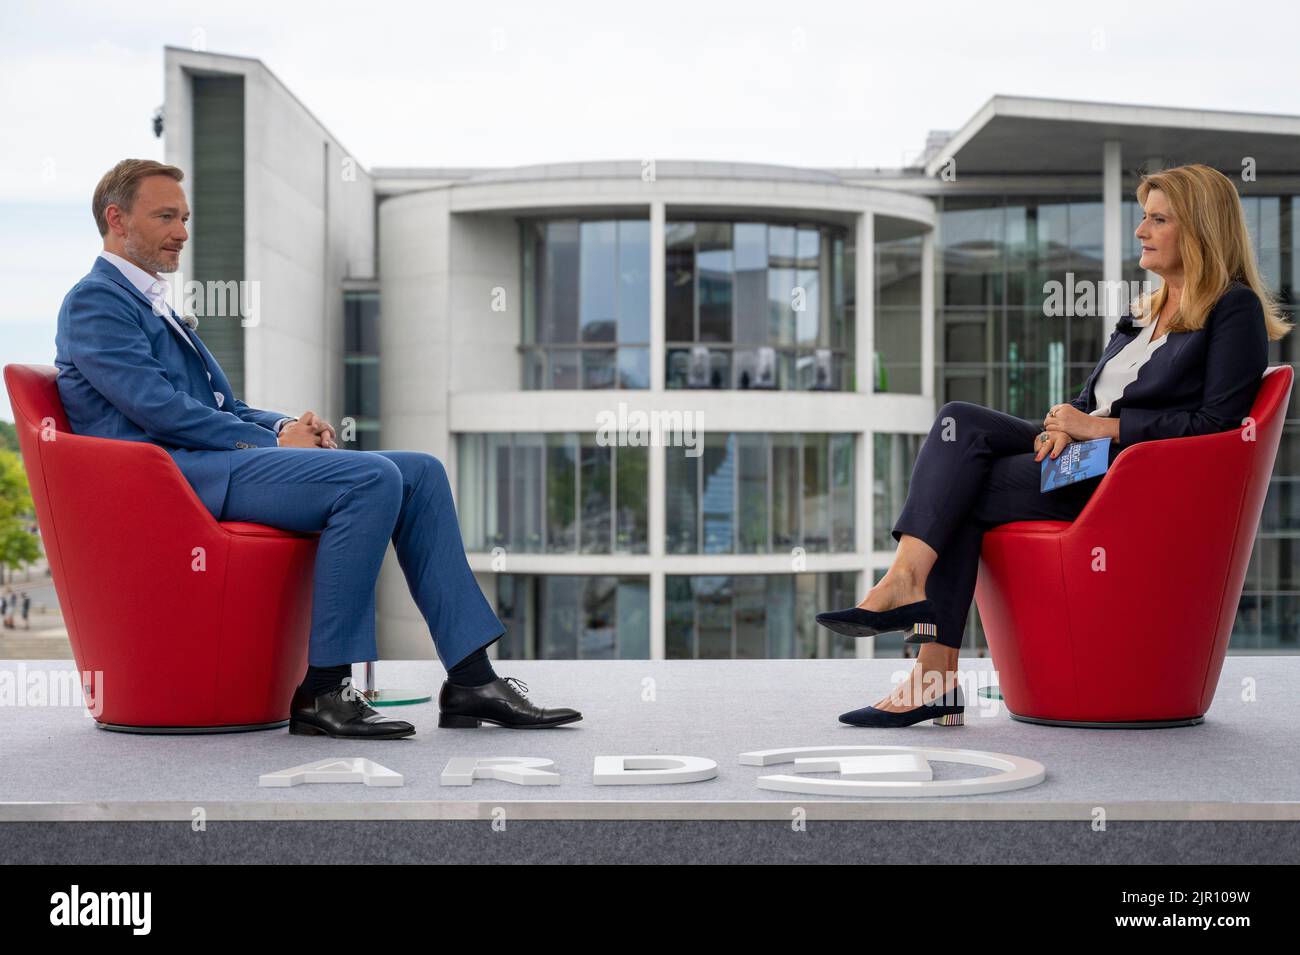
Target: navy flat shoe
[
  {"x": 918, "y": 618},
  {"x": 948, "y": 710}
]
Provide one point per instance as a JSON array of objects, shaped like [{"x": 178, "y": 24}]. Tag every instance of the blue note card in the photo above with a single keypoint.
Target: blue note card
[{"x": 1078, "y": 461}]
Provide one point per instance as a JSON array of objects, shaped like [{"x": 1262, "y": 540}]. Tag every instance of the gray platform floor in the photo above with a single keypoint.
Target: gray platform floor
[{"x": 1242, "y": 763}]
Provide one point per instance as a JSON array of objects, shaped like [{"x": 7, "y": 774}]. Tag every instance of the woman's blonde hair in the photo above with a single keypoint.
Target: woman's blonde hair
[{"x": 1214, "y": 245}]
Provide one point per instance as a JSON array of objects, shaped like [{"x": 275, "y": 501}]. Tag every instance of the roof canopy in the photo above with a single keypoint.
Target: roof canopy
[{"x": 1014, "y": 135}]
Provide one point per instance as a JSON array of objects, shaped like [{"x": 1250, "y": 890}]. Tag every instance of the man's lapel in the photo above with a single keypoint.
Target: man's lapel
[
  {"x": 219, "y": 381},
  {"x": 195, "y": 352},
  {"x": 111, "y": 271}
]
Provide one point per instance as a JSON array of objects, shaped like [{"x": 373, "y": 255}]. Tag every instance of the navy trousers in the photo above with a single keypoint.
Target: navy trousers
[
  {"x": 358, "y": 501},
  {"x": 975, "y": 470}
]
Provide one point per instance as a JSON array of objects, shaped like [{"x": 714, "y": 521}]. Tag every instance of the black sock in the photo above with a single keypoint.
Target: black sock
[
  {"x": 474, "y": 670},
  {"x": 322, "y": 679}
]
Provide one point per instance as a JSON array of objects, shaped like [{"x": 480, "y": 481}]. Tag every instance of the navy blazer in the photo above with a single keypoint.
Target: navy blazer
[
  {"x": 125, "y": 372},
  {"x": 1198, "y": 382}
]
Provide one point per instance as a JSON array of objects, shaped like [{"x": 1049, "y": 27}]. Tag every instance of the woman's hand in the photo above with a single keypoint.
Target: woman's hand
[
  {"x": 1075, "y": 424},
  {"x": 1056, "y": 440}
]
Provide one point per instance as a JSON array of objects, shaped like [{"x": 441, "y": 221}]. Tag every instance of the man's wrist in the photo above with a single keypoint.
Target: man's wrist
[{"x": 279, "y": 425}]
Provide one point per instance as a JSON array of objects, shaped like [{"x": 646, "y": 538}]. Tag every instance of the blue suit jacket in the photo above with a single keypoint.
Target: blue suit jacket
[
  {"x": 1196, "y": 383},
  {"x": 125, "y": 372}
]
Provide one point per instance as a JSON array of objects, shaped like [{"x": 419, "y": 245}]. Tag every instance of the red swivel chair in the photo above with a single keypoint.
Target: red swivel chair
[
  {"x": 178, "y": 623},
  {"x": 1121, "y": 618}
]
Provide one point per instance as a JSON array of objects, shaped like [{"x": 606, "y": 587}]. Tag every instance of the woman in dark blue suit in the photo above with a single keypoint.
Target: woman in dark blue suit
[{"x": 1185, "y": 360}]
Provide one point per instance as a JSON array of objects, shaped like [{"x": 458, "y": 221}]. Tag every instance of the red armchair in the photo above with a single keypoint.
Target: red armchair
[
  {"x": 1122, "y": 617},
  {"x": 186, "y": 623}
]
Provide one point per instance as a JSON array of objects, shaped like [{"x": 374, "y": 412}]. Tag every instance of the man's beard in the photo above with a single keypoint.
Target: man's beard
[{"x": 144, "y": 257}]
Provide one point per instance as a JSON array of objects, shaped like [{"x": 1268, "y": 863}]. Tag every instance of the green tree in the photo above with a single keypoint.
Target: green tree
[{"x": 17, "y": 545}]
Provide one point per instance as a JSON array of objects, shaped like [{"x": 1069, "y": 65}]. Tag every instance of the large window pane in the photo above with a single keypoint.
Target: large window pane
[
  {"x": 682, "y": 517},
  {"x": 559, "y": 319},
  {"x": 471, "y": 484},
  {"x": 679, "y": 620},
  {"x": 552, "y": 492},
  {"x": 895, "y": 455},
  {"x": 560, "y": 616},
  {"x": 632, "y": 484},
  {"x": 599, "y": 618},
  {"x": 679, "y": 277},
  {"x": 780, "y": 616},
  {"x": 634, "y": 368},
  {"x": 713, "y": 611},
  {"x": 597, "y": 307},
  {"x": 786, "y": 500},
  {"x": 564, "y": 368},
  {"x": 526, "y": 465},
  {"x": 594, "y": 491},
  {"x": 816, "y": 493},
  {"x": 573, "y": 617},
  {"x": 361, "y": 366},
  {"x": 561, "y": 493},
  {"x": 898, "y": 314},
  {"x": 752, "y": 487},
  {"x": 808, "y": 315},
  {"x": 751, "y": 282},
  {"x": 843, "y": 491},
  {"x": 718, "y": 500},
  {"x": 361, "y": 322},
  {"x": 751, "y": 616},
  {"x": 714, "y": 260},
  {"x": 633, "y": 618},
  {"x": 598, "y": 368},
  {"x": 634, "y": 281},
  {"x": 497, "y": 517},
  {"x": 777, "y": 290},
  {"x": 514, "y": 610},
  {"x": 361, "y": 386},
  {"x": 585, "y": 282}
]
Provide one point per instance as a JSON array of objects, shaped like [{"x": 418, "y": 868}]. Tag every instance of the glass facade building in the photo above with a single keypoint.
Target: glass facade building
[
  {"x": 811, "y": 321},
  {"x": 749, "y": 303},
  {"x": 755, "y": 616},
  {"x": 758, "y": 305},
  {"x": 553, "y": 493},
  {"x": 763, "y": 304},
  {"x": 573, "y": 617},
  {"x": 361, "y": 329},
  {"x": 586, "y": 316},
  {"x": 757, "y": 493}
]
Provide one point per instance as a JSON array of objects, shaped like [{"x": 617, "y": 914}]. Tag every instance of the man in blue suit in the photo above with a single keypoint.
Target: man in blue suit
[{"x": 131, "y": 368}]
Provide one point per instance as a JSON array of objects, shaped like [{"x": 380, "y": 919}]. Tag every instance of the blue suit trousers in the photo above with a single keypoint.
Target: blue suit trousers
[
  {"x": 975, "y": 470},
  {"x": 358, "y": 501}
]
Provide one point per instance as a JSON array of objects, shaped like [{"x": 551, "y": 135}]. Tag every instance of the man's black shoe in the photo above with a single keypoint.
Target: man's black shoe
[
  {"x": 343, "y": 712},
  {"x": 500, "y": 702}
]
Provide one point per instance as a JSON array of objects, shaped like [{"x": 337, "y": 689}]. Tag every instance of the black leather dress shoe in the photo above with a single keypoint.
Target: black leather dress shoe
[
  {"x": 500, "y": 702},
  {"x": 918, "y": 618},
  {"x": 343, "y": 712}
]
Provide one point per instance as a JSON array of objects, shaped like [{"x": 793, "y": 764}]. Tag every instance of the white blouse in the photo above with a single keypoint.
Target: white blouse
[{"x": 1122, "y": 368}]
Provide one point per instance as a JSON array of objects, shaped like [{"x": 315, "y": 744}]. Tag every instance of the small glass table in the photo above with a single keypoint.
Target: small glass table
[{"x": 390, "y": 697}]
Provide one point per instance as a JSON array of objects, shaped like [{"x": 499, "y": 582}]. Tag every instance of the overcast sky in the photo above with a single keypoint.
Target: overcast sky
[{"x": 804, "y": 83}]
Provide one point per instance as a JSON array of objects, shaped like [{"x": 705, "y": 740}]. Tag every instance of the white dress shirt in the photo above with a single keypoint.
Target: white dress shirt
[
  {"x": 156, "y": 289},
  {"x": 1122, "y": 368}
]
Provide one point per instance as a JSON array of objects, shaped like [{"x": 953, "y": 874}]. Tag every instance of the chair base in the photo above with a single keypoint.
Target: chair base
[
  {"x": 192, "y": 730},
  {"x": 1118, "y": 725}
]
